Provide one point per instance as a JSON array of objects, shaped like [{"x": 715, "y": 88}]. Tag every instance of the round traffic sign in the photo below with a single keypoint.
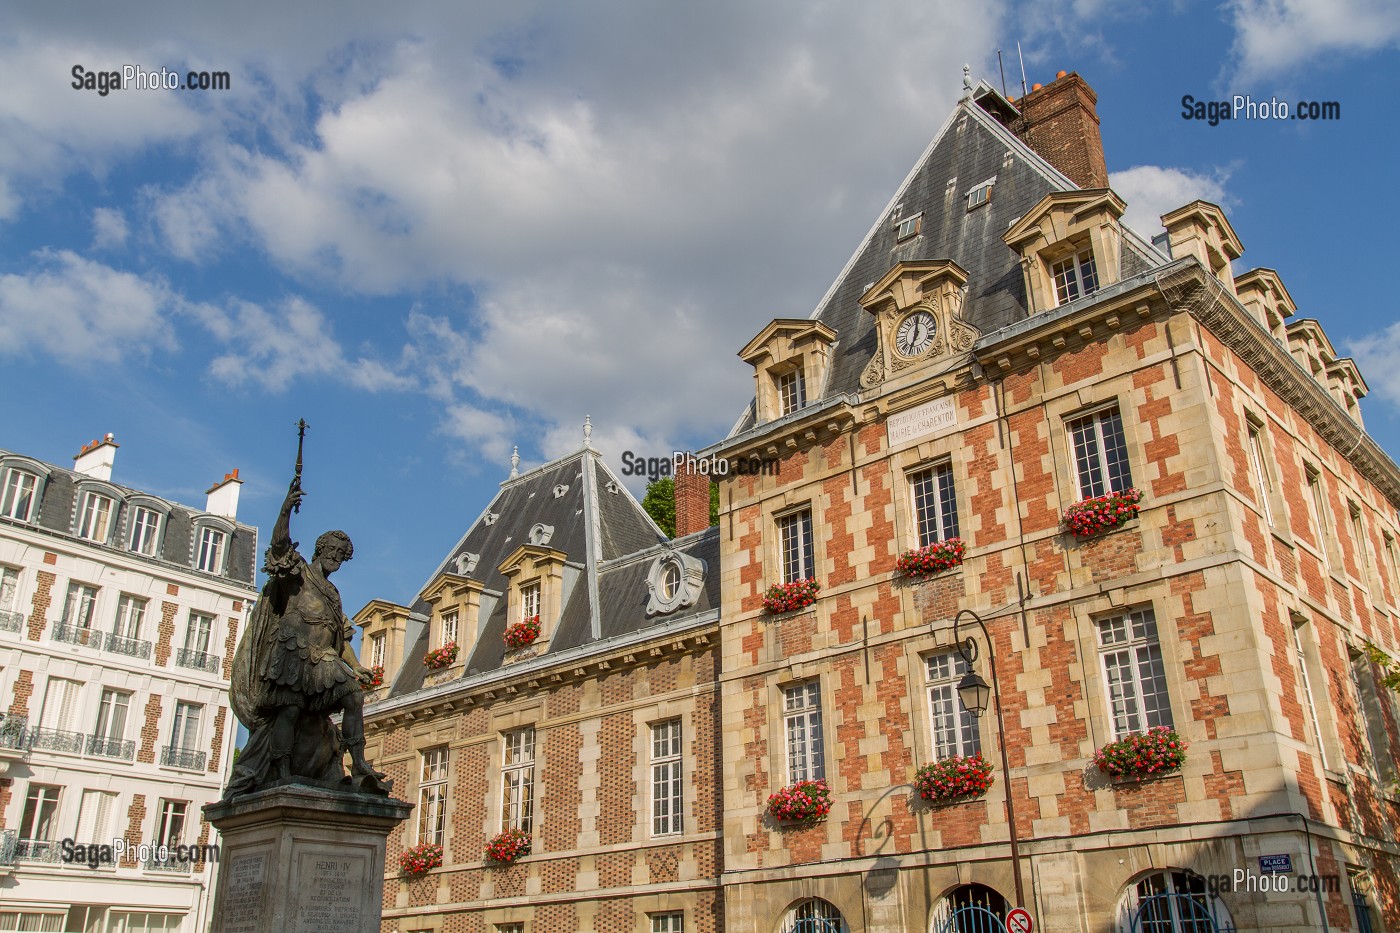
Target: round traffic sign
[{"x": 1019, "y": 921}]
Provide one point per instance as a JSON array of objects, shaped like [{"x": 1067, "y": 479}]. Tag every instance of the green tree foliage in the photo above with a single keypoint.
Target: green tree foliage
[{"x": 660, "y": 503}]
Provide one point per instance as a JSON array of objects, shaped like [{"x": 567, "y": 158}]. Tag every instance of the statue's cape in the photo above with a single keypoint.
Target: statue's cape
[{"x": 245, "y": 689}]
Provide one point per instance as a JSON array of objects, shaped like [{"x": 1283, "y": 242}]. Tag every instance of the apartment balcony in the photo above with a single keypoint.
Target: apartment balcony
[
  {"x": 187, "y": 758},
  {"x": 14, "y": 740},
  {"x": 11, "y": 621},
  {"x": 57, "y": 740},
  {"x": 100, "y": 746},
  {"x": 37, "y": 850},
  {"x": 169, "y": 866},
  {"x": 8, "y": 838},
  {"x": 197, "y": 660},
  {"x": 76, "y": 635},
  {"x": 131, "y": 647}
]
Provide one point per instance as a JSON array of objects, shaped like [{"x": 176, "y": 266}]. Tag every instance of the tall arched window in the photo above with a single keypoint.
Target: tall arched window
[
  {"x": 970, "y": 908},
  {"x": 813, "y": 916},
  {"x": 1173, "y": 901}
]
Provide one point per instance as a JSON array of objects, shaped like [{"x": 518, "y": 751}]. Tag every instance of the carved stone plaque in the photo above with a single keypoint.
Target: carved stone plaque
[
  {"x": 931, "y": 418},
  {"x": 331, "y": 893},
  {"x": 243, "y": 894}
]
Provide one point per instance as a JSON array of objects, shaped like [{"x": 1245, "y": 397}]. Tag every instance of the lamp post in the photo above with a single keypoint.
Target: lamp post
[{"x": 974, "y": 691}]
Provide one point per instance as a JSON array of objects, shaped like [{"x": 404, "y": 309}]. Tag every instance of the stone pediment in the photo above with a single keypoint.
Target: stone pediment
[{"x": 917, "y": 292}]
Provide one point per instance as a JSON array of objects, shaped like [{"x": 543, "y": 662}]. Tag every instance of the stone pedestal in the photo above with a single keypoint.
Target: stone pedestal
[{"x": 296, "y": 859}]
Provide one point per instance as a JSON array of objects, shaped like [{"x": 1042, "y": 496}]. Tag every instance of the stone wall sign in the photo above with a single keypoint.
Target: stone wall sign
[
  {"x": 331, "y": 887},
  {"x": 930, "y": 418},
  {"x": 244, "y": 903}
]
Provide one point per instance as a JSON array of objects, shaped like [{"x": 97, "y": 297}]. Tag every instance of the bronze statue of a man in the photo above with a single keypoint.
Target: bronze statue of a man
[{"x": 295, "y": 666}]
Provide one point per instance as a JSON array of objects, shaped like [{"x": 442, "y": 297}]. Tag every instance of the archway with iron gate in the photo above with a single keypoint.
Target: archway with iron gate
[
  {"x": 813, "y": 915},
  {"x": 1176, "y": 900},
  {"x": 970, "y": 908}
]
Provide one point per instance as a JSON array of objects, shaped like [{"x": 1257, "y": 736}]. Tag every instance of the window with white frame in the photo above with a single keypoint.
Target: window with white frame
[
  {"x": 95, "y": 519},
  {"x": 1392, "y": 567},
  {"x": 376, "y": 650},
  {"x": 131, "y": 612},
  {"x": 32, "y": 920},
  {"x": 954, "y": 728},
  {"x": 518, "y": 779},
  {"x": 111, "y": 718},
  {"x": 1368, "y": 702},
  {"x": 60, "y": 705},
  {"x": 1321, "y": 521},
  {"x": 1263, "y": 487},
  {"x": 795, "y": 546},
  {"x": 78, "y": 608},
  {"x": 449, "y": 627},
  {"x": 9, "y": 587},
  {"x": 1075, "y": 277},
  {"x": 510, "y": 928},
  {"x": 19, "y": 495},
  {"x": 1133, "y": 671},
  {"x": 802, "y": 716},
  {"x": 908, "y": 227},
  {"x": 670, "y": 922},
  {"x": 792, "y": 391},
  {"x": 140, "y": 922},
  {"x": 935, "y": 504},
  {"x": 979, "y": 195},
  {"x": 39, "y": 822},
  {"x": 184, "y": 731},
  {"x": 1305, "y": 684},
  {"x": 1358, "y": 537},
  {"x": 1100, "y": 453},
  {"x": 171, "y": 831},
  {"x": 666, "y": 798},
  {"x": 210, "y": 557},
  {"x": 529, "y": 601},
  {"x": 432, "y": 796},
  {"x": 95, "y": 811},
  {"x": 197, "y": 633},
  {"x": 145, "y": 531}
]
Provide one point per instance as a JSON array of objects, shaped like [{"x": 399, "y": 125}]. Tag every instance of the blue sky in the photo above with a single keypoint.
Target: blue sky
[{"x": 483, "y": 221}]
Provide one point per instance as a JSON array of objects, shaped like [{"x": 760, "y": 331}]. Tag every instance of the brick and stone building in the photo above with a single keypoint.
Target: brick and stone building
[{"x": 119, "y": 611}]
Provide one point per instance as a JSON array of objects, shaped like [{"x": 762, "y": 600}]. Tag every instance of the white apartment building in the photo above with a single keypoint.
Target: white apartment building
[{"x": 119, "y": 612}]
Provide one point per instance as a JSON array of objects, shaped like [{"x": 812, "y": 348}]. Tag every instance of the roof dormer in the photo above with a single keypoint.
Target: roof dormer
[
  {"x": 917, "y": 308},
  {"x": 385, "y": 627},
  {"x": 1070, "y": 244},
  {"x": 455, "y": 617},
  {"x": 789, "y": 359},
  {"x": 1262, "y": 293},
  {"x": 1200, "y": 229},
  {"x": 536, "y": 592}
]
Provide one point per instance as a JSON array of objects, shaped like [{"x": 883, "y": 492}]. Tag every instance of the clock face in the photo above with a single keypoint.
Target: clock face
[{"x": 915, "y": 333}]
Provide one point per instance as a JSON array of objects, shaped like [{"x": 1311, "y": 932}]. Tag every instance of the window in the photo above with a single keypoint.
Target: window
[
  {"x": 1132, "y": 665},
  {"x": 184, "y": 734},
  {"x": 954, "y": 728},
  {"x": 670, "y": 580},
  {"x": 908, "y": 227},
  {"x": 1172, "y": 901},
  {"x": 1305, "y": 684},
  {"x": 40, "y": 812},
  {"x": 510, "y": 928},
  {"x": 935, "y": 504},
  {"x": 171, "y": 831},
  {"x": 9, "y": 586},
  {"x": 1100, "y": 453},
  {"x": 79, "y": 605},
  {"x": 19, "y": 495},
  {"x": 95, "y": 811},
  {"x": 1320, "y": 514},
  {"x": 529, "y": 601},
  {"x": 28, "y": 921},
  {"x": 666, "y": 802},
  {"x": 518, "y": 780},
  {"x": 107, "y": 738},
  {"x": 197, "y": 633},
  {"x": 1263, "y": 488},
  {"x": 802, "y": 713},
  {"x": 1358, "y": 537},
  {"x": 211, "y": 550},
  {"x": 1075, "y": 277},
  {"x": 145, "y": 531},
  {"x": 1361, "y": 900},
  {"x": 60, "y": 706},
  {"x": 1368, "y": 702},
  {"x": 672, "y": 922},
  {"x": 449, "y": 627},
  {"x": 792, "y": 392},
  {"x": 1392, "y": 566},
  {"x": 131, "y": 612},
  {"x": 131, "y": 922},
  {"x": 814, "y": 916},
  {"x": 96, "y": 520},
  {"x": 795, "y": 542},
  {"x": 376, "y": 650},
  {"x": 432, "y": 797},
  {"x": 979, "y": 195}
]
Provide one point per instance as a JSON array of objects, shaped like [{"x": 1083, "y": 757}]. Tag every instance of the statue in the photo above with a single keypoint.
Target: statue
[{"x": 294, "y": 667}]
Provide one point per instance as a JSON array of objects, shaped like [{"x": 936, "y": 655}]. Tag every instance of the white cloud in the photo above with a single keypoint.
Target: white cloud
[
  {"x": 1275, "y": 37},
  {"x": 1153, "y": 190},
  {"x": 1377, "y": 355},
  {"x": 108, "y": 228},
  {"x": 79, "y": 311}
]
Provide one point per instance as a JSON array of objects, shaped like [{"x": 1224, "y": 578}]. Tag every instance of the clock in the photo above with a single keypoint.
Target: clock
[{"x": 914, "y": 334}]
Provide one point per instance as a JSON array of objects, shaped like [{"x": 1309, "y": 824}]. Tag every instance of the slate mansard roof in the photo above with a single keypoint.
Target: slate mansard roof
[
  {"x": 610, "y": 543},
  {"x": 59, "y": 495}
]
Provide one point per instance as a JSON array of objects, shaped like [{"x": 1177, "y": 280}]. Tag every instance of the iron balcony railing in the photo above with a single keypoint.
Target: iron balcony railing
[
  {"x": 76, "y": 635},
  {"x": 104, "y": 747},
  {"x": 131, "y": 647},
  {"x": 174, "y": 757},
  {"x": 57, "y": 740},
  {"x": 37, "y": 850},
  {"x": 197, "y": 660},
  {"x": 8, "y": 838},
  {"x": 170, "y": 865},
  {"x": 11, "y": 621},
  {"x": 14, "y": 732}
]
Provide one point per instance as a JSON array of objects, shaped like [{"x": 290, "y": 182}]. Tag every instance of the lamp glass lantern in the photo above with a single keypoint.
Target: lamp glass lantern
[{"x": 974, "y": 693}]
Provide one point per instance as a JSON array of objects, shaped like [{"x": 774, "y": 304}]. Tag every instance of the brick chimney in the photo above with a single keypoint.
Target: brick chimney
[
  {"x": 223, "y": 496},
  {"x": 96, "y": 458},
  {"x": 692, "y": 489},
  {"x": 1061, "y": 123}
]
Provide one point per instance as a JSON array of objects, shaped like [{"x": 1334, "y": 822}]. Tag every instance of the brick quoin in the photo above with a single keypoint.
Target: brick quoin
[
  {"x": 218, "y": 747},
  {"x": 135, "y": 818},
  {"x": 43, "y": 599},
  {"x": 150, "y": 732},
  {"x": 165, "y": 633},
  {"x": 24, "y": 689},
  {"x": 6, "y": 788},
  {"x": 230, "y": 645}
]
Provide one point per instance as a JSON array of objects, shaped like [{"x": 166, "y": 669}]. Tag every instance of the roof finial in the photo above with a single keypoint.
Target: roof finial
[
  {"x": 587, "y": 432},
  {"x": 967, "y": 82},
  {"x": 515, "y": 463}
]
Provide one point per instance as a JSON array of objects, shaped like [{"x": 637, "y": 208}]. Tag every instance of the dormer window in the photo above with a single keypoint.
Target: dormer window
[
  {"x": 792, "y": 392},
  {"x": 449, "y": 627},
  {"x": 529, "y": 601},
  {"x": 209, "y": 553},
  {"x": 980, "y": 195},
  {"x": 787, "y": 356},
  {"x": 145, "y": 531},
  {"x": 377, "y": 644},
  {"x": 95, "y": 523},
  {"x": 674, "y": 582},
  {"x": 670, "y": 580},
  {"x": 1075, "y": 276},
  {"x": 908, "y": 227},
  {"x": 21, "y": 492}
]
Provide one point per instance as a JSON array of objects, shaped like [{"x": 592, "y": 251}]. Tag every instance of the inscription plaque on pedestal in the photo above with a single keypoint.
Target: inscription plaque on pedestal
[
  {"x": 330, "y": 886},
  {"x": 244, "y": 904}
]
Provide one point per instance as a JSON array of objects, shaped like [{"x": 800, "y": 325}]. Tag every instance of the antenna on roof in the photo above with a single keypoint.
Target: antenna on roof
[
  {"x": 1002, "y": 69},
  {"x": 1023, "y": 67}
]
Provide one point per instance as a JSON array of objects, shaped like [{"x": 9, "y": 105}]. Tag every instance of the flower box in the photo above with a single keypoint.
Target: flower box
[
  {"x": 439, "y": 658},
  {"x": 806, "y": 802},
  {"x": 421, "y": 859},
  {"x": 1101, "y": 513},
  {"x": 507, "y": 846},
  {"x": 1140, "y": 754},
  {"x": 523, "y": 633},
  {"x": 956, "y": 778},
  {"x": 376, "y": 681},
  {"x": 790, "y": 597},
  {"x": 931, "y": 558}
]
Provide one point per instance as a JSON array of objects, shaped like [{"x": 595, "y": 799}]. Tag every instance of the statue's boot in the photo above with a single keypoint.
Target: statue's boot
[
  {"x": 281, "y": 764},
  {"x": 362, "y": 774}
]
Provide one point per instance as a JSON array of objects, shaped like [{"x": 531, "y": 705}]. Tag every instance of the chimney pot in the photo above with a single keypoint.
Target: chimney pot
[
  {"x": 1036, "y": 87},
  {"x": 1060, "y": 74}
]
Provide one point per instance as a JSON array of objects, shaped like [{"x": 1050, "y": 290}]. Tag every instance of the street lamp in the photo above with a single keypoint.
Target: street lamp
[{"x": 974, "y": 693}]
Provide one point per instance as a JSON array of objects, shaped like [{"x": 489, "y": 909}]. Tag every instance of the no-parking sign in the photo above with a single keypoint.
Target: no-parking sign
[{"x": 1019, "y": 921}]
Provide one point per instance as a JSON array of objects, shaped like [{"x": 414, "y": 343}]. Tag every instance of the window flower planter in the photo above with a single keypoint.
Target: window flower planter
[
  {"x": 790, "y": 597},
  {"x": 1100, "y": 513},
  {"x": 421, "y": 859},
  {"x": 949, "y": 780},
  {"x": 439, "y": 658},
  {"x": 376, "y": 681},
  {"x": 1142, "y": 754},
  {"x": 507, "y": 846},
  {"x": 523, "y": 633},
  {"x": 806, "y": 803},
  {"x": 932, "y": 558}
]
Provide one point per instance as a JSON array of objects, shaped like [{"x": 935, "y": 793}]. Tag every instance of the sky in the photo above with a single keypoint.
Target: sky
[{"x": 441, "y": 231}]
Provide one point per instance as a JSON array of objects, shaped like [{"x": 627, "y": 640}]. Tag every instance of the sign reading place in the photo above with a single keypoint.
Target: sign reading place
[{"x": 929, "y": 418}]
